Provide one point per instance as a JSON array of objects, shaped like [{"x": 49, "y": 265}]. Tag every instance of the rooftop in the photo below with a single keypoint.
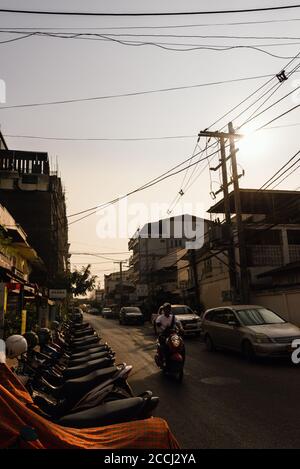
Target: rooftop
[
  {"x": 267, "y": 202},
  {"x": 24, "y": 162}
]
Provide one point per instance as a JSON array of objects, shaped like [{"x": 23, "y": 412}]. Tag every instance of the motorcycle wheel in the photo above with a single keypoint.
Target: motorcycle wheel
[{"x": 179, "y": 376}]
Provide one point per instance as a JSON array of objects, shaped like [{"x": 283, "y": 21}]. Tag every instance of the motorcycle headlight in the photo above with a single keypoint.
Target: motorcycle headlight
[{"x": 262, "y": 339}]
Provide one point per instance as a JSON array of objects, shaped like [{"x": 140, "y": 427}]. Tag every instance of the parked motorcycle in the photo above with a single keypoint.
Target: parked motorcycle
[{"x": 74, "y": 380}]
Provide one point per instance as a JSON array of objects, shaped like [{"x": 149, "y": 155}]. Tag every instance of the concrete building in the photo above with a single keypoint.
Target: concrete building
[
  {"x": 271, "y": 222},
  {"x": 117, "y": 291},
  {"x": 35, "y": 197},
  {"x": 18, "y": 261},
  {"x": 155, "y": 241}
]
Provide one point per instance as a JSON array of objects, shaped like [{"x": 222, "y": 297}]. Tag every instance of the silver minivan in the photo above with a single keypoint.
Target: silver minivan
[{"x": 250, "y": 329}]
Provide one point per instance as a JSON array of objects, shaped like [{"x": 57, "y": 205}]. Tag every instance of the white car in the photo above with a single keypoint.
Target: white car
[
  {"x": 107, "y": 313},
  {"x": 189, "y": 320}
]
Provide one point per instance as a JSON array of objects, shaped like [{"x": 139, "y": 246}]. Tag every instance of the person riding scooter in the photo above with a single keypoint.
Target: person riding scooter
[{"x": 165, "y": 323}]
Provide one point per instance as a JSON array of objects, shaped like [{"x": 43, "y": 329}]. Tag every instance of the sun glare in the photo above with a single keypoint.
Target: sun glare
[{"x": 253, "y": 143}]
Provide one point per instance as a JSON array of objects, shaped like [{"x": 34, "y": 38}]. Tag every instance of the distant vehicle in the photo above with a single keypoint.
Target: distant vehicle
[
  {"x": 190, "y": 321},
  {"x": 93, "y": 311},
  {"x": 131, "y": 315},
  {"x": 107, "y": 313},
  {"x": 250, "y": 329}
]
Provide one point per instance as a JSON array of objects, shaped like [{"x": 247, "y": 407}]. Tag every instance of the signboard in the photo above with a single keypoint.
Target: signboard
[
  {"x": 142, "y": 289},
  {"x": 57, "y": 294}
]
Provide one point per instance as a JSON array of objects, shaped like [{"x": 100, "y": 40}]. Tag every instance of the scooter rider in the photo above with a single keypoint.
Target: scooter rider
[{"x": 165, "y": 323}]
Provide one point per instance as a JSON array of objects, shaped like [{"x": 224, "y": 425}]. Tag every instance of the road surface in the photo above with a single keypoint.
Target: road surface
[{"x": 223, "y": 402}]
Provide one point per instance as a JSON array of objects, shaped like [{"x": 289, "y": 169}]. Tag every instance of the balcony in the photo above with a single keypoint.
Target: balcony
[
  {"x": 264, "y": 255},
  {"x": 132, "y": 242},
  {"x": 294, "y": 252}
]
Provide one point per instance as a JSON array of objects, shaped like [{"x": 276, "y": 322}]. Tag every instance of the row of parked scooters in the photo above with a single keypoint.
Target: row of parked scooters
[{"x": 74, "y": 380}]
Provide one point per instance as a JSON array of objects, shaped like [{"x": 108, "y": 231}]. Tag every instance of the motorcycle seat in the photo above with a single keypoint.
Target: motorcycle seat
[
  {"x": 83, "y": 369},
  {"x": 109, "y": 413},
  {"x": 75, "y": 388},
  {"x": 89, "y": 351},
  {"x": 84, "y": 333},
  {"x": 84, "y": 348},
  {"x": 89, "y": 357},
  {"x": 84, "y": 340}
]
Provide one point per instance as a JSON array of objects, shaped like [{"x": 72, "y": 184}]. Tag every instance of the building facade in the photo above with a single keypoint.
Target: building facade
[{"x": 35, "y": 197}]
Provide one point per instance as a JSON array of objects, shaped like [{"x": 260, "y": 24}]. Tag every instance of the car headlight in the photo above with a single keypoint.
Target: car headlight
[{"x": 262, "y": 339}]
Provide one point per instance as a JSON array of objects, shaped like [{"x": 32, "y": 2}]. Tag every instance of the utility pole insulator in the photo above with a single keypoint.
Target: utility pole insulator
[{"x": 281, "y": 76}]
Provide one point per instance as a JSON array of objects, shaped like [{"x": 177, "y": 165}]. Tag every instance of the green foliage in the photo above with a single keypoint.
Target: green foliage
[{"x": 78, "y": 282}]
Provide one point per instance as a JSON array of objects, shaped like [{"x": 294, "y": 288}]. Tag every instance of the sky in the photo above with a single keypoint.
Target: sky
[{"x": 38, "y": 69}]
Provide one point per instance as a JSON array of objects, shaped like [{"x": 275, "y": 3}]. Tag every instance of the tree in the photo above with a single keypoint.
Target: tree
[
  {"x": 78, "y": 282},
  {"x": 82, "y": 281}
]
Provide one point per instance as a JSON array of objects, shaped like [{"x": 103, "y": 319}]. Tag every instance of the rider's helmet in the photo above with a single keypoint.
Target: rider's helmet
[
  {"x": 16, "y": 345},
  {"x": 31, "y": 339},
  {"x": 167, "y": 308},
  {"x": 44, "y": 336},
  {"x": 54, "y": 325}
]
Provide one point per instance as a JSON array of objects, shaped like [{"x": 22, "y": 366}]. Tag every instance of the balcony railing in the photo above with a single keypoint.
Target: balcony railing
[
  {"x": 294, "y": 252},
  {"x": 266, "y": 255}
]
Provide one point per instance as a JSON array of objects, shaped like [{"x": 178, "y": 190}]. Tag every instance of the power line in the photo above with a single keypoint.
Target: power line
[
  {"x": 73, "y": 34},
  {"x": 278, "y": 117},
  {"x": 76, "y": 139},
  {"x": 99, "y": 253},
  {"x": 252, "y": 117},
  {"x": 150, "y": 184},
  {"x": 183, "y": 190},
  {"x": 161, "y": 45},
  {"x": 177, "y": 26},
  {"x": 162, "y": 13},
  {"x": 135, "y": 93},
  {"x": 271, "y": 179}
]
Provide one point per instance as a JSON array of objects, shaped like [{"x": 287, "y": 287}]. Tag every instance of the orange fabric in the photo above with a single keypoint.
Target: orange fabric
[{"x": 15, "y": 415}]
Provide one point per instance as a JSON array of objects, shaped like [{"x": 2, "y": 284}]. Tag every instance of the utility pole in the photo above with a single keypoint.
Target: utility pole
[
  {"x": 121, "y": 279},
  {"x": 195, "y": 275},
  {"x": 231, "y": 250},
  {"x": 223, "y": 137},
  {"x": 239, "y": 221}
]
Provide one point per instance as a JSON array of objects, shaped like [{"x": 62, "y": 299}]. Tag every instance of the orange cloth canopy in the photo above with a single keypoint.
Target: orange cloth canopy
[{"x": 17, "y": 413}]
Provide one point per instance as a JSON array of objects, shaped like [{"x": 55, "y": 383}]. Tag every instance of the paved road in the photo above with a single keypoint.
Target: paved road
[{"x": 224, "y": 402}]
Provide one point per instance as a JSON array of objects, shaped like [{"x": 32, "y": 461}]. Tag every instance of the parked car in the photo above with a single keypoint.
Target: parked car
[
  {"x": 94, "y": 311},
  {"x": 131, "y": 315},
  {"x": 107, "y": 313},
  {"x": 189, "y": 319},
  {"x": 250, "y": 329}
]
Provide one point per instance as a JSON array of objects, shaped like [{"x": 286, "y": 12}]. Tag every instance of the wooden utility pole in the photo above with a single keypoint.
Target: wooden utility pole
[
  {"x": 239, "y": 220},
  {"x": 121, "y": 279},
  {"x": 195, "y": 275},
  {"x": 222, "y": 137},
  {"x": 231, "y": 250}
]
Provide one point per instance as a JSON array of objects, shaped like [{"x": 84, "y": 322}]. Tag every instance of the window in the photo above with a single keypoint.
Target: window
[
  {"x": 293, "y": 236},
  {"x": 29, "y": 179},
  {"x": 258, "y": 316},
  {"x": 229, "y": 316},
  {"x": 209, "y": 316}
]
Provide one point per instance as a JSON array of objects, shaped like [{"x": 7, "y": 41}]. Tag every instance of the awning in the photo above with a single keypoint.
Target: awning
[{"x": 281, "y": 270}]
